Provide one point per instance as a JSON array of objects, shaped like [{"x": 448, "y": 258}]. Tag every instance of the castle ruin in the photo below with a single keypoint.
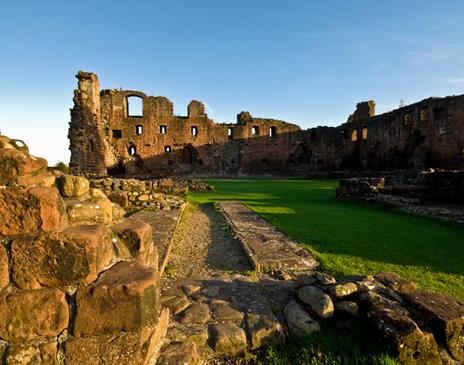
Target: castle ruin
[{"x": 108, "y": 137}]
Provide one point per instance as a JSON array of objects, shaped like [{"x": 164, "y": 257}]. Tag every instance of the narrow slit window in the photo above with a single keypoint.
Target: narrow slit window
[
  {"x": 138, "y": 129},
  {"x": 407, "y": 119},
  {"x": 163, "y": 129},
  {"x": 167, "y": 148},
  {"x": 132, "y": 151},
  {"x": 424, "y": 114},
  {"x": 354, "y": 136},
  {"x": 364, "y": 134},
  {"x": 117, "y": 133},
  {"x": 230, "y": 133},
  {"x": 272, "y": 131},
  {"x": 194, "y": 131},
  {"x": 255, "y": 130}
]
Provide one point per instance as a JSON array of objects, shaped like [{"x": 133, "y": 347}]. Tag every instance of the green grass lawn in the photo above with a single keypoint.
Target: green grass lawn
[{"x": 354, "y": 238}]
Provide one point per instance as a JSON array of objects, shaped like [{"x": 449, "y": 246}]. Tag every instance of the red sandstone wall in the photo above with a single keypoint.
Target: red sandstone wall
[{"x": 102, "y": 135}]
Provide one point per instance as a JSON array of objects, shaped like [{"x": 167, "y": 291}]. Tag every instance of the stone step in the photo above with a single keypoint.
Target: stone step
[
  {"x": 164, "y": 224},
  {"x": 267, "y": 248}
]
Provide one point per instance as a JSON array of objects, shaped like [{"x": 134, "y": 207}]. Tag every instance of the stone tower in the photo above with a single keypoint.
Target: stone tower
[{"x": 86, "y": 131}]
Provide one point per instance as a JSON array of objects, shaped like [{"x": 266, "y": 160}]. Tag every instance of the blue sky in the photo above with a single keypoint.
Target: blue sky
[{"x": 304, "y": 62}]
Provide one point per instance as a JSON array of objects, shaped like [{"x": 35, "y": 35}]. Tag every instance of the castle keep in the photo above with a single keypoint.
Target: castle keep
[{"x": 108, "y": 137}]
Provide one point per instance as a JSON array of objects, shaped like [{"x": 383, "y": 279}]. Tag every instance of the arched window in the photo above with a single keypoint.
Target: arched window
[{"x": 134, "y": 106}]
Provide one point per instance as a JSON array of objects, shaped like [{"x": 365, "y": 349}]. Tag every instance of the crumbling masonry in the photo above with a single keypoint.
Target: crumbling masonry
[{"x": 107, "y": 138}]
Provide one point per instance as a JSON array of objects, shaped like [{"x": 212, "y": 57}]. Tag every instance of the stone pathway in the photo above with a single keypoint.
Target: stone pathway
[
  {"x": 219, "y": 306},
  {"x": 267, "y": 248}
]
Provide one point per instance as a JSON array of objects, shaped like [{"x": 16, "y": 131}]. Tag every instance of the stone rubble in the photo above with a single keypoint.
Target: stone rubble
[{"x": 81, "y": 283}]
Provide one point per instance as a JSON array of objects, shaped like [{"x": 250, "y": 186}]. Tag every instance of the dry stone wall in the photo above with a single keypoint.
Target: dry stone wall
[
  {"x": 107, "y": 137},
  {"x": 79, "y": 283}
]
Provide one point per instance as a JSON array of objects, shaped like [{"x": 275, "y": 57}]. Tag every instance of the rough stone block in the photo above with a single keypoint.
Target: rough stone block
[
  {"x": 320, "y": 303},
  {"x": 119, "y": 197},
  {"x": 128, "y": 348},
  {"x": 96, "y": 210},
  {"x": 227, "y": 338},
  {"x": 31, "y": 354},
  {"x": 25, "y": 211},
  {"x": 74, "y": 256},
  {"x": 443, "y": 314},
  {"x": 38, "y": 178},
  {"x": 137, "y": 235},
  {"x": 264, "y": 331},
  {"x": 343, "y": 290},
  {"x": 180, "y": 353},
  {"x": 72, "y": 186},
  {"x": 395, "y": 282},
  {"x": 299, "y": 321},
  {"x": 125, "y": 298},
  {"x": 16, "y": 163},
  {"x": 27, "y": 315},
  {"x": 409, "y": 343}
]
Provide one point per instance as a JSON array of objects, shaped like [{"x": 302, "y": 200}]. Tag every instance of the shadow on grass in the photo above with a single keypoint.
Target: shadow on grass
[{"x": 351, "y": 237}]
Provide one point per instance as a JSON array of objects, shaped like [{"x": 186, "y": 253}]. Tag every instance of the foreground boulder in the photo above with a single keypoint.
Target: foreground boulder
[
  {"x": 75, "y": 255},
  {"x": 27, "y": 315},
  {"x": 409, "y": 343},
  {"x": 26, "y": 211},
  {"x": 16, "y": 163},
  {"x": 72, "y": 186},
  {"x": 131, "y": 348},
  {"x": 444, "y": 315},
  {"x": 125, "y": 298}
]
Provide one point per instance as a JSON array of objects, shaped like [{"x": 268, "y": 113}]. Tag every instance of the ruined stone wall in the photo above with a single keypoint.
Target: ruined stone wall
[
  {"x": 107, "y": 138},
  {"x": 429, "y": 133}
]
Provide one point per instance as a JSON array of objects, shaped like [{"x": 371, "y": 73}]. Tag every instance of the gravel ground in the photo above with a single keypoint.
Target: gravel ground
[{"x": 204, "y": 247}]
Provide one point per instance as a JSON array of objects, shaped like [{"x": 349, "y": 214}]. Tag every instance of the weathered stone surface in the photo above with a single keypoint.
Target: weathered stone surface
[
  {"x": 118, "y": 212},
  {"x": 318, "y": 301},
  {"x": 196, "y": 313},
  {"x": 125, "y": 298},
  {"x": 4, "y": 272},
  {"x": 299, "y": 321},
  {"x": 16, "y": 163},
  {"x": 395, "y": 282},
  {"x": 76, "y": 255},
  {"x": 90, "y": 211},
  {"x": 265, "y": 246},
  {"x": 31, "y": 354},
  {"x": 180, "y": 353},
  {"x": 136, "y": 234},
  {"x": 305, "y": 280},
  {"x": 101, "y": 130},
  {"x": 443, "y": 314},
  {"x": 25, "y": 211},
  {"x": 38, "y": 178},
  {"x": 183, "y": 333},
  {"x": 323, "y": 278},
  {"x": 347, "y": 307},
  {"x": 227, "y": 338},
  {"x": 131, "y": 348},
  {"x": 26, "y": 315},
  {"x": 71, "y": 186},
  {"x": 175, "y": 303},
  {"x": 263, "y": 331},
  {"x": 224, "y": 312},
  {"x": 407, "y": 340},
  {"x": 119, "y": 197},
  {"x": 343, "y": 290}
]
